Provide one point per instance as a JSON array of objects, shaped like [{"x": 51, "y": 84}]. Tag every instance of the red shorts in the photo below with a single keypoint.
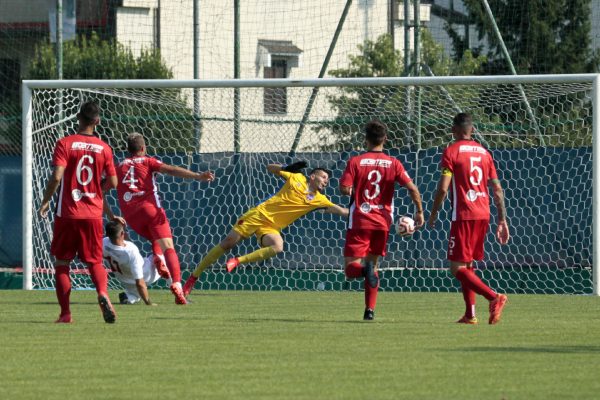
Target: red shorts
[
  {"x": 361, "y": 242},
  {"x": 150, "y": 223},
  {"x": 81, "y": 237},
  {"x": 466, "y": 240}
]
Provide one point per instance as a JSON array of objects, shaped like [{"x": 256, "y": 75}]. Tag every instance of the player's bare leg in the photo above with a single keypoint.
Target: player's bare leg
[
  {"x": 230, "y": 241},
  {"x": 172, "y": 261},
  {"x": 63, "y": 290},
  {"x": 272, "y": 243}
]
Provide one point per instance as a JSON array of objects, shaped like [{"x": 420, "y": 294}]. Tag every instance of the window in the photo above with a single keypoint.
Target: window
[{"x": 275, "y": 99}]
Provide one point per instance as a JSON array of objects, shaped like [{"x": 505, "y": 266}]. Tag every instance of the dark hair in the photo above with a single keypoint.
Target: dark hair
[
  {"x": 135, "y": 142},
  {"x": 375, "y": 132},
  {"x": 113, "y": 230},
  {"x": 89, "y": 112},
  {"x": 312, "y": 171},
  {"x": 463, "y": 120}
]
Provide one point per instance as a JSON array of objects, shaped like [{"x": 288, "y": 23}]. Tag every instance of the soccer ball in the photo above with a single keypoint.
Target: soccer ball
[{"x": 405, "y": 226}]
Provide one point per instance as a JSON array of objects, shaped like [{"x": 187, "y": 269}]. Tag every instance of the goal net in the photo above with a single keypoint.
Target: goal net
[{"x": 538, "y": 128}]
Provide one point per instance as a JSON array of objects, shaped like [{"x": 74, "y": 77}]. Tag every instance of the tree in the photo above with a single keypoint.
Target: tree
[
  {"x": 94, "y": 58},
  {"x": 357, "y": 105},
  {"x": 542, "y": 37},
  {"x": 441, "y": 64},
  {"x": 549, "y": 37}
]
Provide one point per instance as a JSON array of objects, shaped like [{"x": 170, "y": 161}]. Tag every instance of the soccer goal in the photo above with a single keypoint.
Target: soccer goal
[{"x": 541, "y": 130}]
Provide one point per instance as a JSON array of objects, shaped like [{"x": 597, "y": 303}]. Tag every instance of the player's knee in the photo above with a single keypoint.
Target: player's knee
[
  {"x": 227, "y": 244},
  {"x": 277, "y": 247},
  {"x": 275, "y": 243}
]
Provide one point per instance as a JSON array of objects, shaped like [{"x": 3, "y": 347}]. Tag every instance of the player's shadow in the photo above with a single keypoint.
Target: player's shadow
[
  {"x": 532, "y": 349},
  {"x": 267, "y": 320},
  {"x": 304, "y": 321},
  {"x": 52, "y": 303},
  {"x": 44, "y": 322}
]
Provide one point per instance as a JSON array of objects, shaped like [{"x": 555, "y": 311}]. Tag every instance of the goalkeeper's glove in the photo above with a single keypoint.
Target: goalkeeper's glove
[{"x": 295, "y": 167}]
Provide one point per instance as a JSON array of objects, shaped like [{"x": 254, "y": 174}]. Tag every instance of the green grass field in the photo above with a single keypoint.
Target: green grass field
[{"x": 300, "y": 345}]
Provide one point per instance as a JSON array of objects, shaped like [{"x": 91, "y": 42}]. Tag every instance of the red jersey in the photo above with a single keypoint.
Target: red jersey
[
  {"x": 86, "y": 159},
  {"x": 137, "y": 185},
  {"x": 471, "y": 166},
  {"x": 372, "y": 176}
]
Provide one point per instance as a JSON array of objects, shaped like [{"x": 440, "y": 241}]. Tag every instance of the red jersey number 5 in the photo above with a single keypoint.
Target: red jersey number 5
[{"x": 476, "y": 171}]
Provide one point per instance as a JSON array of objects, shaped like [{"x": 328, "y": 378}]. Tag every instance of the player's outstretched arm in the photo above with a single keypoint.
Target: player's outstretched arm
[
  {"x": 179, "y": 172},
  {"x": 111, "y": 216},
  {"x": 335, "y": 209},
  {"x": 109, "y": 213},
  {"x": 502, "y": 233},
  {"x": 275, "y": 169},
  {"x": 51, "y": 186},
  {"x": 294, "y": 168},
  {"x": 415, "y": 195},
  {"x": 142, "y": 289},
  {"x": 440, "y": 195}
]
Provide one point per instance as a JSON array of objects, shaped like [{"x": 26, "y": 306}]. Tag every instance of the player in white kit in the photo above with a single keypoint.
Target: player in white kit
[{"x": 131, "y": 270}]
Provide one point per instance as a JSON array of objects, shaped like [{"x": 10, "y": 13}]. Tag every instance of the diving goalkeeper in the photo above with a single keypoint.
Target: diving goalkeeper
[{"x": 296, "y": 198}]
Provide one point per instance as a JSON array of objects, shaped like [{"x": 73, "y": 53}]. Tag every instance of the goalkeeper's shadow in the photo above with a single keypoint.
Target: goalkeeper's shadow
[
  {"x": 575, "y": 349},
  {"x": 305, "y": 320}
]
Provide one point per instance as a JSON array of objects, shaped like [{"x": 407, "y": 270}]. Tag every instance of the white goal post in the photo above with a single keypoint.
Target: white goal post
[{"x": 543, "y": 131}]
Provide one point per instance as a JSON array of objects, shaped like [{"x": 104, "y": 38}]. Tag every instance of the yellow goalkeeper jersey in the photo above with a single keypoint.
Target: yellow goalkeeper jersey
[{"x": 292, "y": 201}]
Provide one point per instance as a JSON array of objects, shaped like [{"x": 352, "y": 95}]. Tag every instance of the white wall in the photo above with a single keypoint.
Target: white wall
[
  {"x": 135, "y": 27},
  {"x": 309, "y": 24}
]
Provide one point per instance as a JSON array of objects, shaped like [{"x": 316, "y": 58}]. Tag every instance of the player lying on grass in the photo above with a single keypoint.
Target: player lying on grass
[
  {"x": 296, "y": 198},
  {"x": 140, "y": 203},
  {"x": 131, "y": 270}
]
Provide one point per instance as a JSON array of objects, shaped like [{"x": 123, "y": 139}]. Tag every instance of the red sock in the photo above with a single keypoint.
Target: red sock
[
  {"x": 354, "y": 270},
  {"x": 173, "y": 264},
  {"x": 156, "y": 249},
  {"x": 472, "y": 281},
  {"x": 63, "y": 288},
  {"x": 469, "y": 296},
  {"x": 99, "y": 277},
  {"x": 371, "y": 294}
]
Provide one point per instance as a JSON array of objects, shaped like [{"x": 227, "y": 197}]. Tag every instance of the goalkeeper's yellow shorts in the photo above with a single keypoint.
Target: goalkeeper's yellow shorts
[{"x": 254, "y": 223}]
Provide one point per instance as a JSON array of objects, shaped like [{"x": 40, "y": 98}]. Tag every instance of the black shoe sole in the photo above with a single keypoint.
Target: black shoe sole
[{"x": 107, "y": 312}]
